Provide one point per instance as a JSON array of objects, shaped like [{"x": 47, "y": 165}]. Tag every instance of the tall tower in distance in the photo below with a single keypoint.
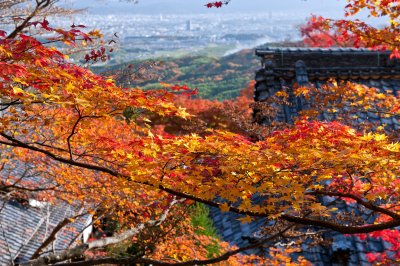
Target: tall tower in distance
[{"x": 188, "y": 25}]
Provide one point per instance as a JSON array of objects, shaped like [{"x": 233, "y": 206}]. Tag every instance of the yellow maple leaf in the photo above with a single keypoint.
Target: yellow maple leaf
[
  {"x": 20, "y": 81},
  {"x": 18, "y": 90},
  {"x": 380, "y": 137},
  {"x": 224, "y": 207},
  {"x": 317, "y": 207},
  {"x": 246, "y": 219},
  {"x": 182, "y": 113}
]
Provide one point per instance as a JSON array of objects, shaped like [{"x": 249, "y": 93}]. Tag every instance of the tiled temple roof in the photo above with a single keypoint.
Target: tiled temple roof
[
  {"x": 23, "y": 228},
  {"x": 284, "y": 67},
  {"x": 26, "y": 224}
]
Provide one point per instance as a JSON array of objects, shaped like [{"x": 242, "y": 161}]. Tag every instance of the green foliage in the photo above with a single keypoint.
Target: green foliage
[
  {"x": 131, "y": 114},
  {"x": 201, "y": 220},
  {"x": 204, "y": 226},
  {"x": 135, "y": 250}
]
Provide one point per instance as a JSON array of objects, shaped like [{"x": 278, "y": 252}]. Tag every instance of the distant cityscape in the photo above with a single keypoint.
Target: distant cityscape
[
  {"x": 158, "y": 32},
  {"x": 147, "y": 36}
]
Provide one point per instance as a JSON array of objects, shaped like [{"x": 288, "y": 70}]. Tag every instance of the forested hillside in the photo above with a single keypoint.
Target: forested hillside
[{"x": 215, "y": 78}]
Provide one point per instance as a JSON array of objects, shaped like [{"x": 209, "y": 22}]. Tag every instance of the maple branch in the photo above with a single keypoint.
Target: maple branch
[
  {"x": 7, "y": 105},
  {"x": 344, "y": 229},
  {"x": 80, "y": 117},
  {"x": 290, "y": 218},
  {"x": 53, "y": 234},
  {"x": 71, "y": 254},
  {"x": 77, "y": 252},
  {"x": 6, "y": 242},
  {"x": 359, "y": 200},
  {"x": 40, "y": 4},
  {"x": 16, "y": 143},
  {"x": 14, "y": 187},
  {"x": 132, "y": 232},
  {"x": 135, "y": 260}
]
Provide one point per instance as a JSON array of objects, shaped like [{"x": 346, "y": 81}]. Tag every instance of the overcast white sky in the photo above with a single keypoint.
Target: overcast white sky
[
  {"x": 306, "y": 7},
  {"x": 300, "y": 8}
]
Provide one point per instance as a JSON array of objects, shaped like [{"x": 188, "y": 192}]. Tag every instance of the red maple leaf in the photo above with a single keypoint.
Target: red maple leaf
[{"x": 218, "y": 4}]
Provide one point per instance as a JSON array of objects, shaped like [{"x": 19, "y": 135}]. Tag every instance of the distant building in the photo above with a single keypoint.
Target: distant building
[{"x": 189, "y": 25}]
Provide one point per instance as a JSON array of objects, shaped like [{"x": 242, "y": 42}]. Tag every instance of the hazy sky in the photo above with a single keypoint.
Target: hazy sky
[{"x": 303, "y": 7}]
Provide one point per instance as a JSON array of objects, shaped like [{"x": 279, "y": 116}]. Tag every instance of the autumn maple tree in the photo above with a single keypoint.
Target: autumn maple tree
[
  {"x": 97, "y": 146},
  {"x": 83, "y": 135},
  {"x": 321, "y": 31}
]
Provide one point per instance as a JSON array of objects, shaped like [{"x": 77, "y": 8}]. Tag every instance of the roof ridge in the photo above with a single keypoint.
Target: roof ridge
[{"x": 319, "y": 50}]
